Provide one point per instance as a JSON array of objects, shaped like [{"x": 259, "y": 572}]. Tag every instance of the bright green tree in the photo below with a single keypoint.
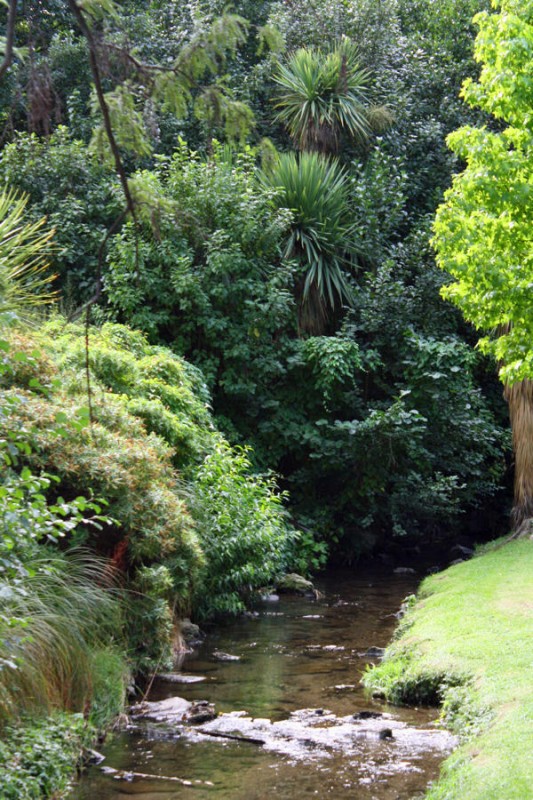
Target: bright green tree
[{"x": 483, "y": 231}]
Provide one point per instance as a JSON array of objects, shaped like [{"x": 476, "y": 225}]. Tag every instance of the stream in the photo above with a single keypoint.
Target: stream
[{"x": 306, "y": 726}]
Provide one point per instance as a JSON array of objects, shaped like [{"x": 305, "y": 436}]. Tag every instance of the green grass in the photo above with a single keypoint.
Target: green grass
[{"x": 468, "y": 642}]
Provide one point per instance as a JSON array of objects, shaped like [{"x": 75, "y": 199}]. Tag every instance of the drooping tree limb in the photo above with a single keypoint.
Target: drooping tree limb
[
  {"x": 10, "y": 37},
  {"x": 104, "y": 108}
]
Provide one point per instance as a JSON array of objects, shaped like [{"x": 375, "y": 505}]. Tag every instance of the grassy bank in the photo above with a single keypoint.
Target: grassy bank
[{"x": 467, "y": 642}]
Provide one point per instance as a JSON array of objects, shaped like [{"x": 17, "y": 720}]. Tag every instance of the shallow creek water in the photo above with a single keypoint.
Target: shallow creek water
[{"x": 295, "y": 654}]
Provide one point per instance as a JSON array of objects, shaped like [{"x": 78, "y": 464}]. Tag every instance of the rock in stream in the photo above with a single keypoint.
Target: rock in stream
[{"x": 306, "y": 734}]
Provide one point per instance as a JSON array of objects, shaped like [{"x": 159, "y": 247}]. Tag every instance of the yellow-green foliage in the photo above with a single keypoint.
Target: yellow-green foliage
[
  {"x": 27, "y": 365},
  {"x": 468, "y": 641},
  {"x": 145, "y": 454},
  {"x": 128, "y": 456}
]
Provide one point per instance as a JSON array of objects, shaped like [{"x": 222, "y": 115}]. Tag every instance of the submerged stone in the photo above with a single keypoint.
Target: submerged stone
[
  {"x": 270, "y": 598},
  {"x": 218, "y": 655},
  {"x": 318, "y": 733},
  {"x": 178, "y": 677},
  {"x": 200, "y": 712},
  {"x": 373, "y": 652},
  {"x": 368, "y": 715},
  {"x": 175, "y": 711},
  {"x": 172, "y": 709}
]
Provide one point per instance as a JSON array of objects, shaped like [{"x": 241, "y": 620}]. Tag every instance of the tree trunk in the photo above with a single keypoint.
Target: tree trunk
[
  {"x": 312, "y": 311},
  {"x": 520, "y": 399}
]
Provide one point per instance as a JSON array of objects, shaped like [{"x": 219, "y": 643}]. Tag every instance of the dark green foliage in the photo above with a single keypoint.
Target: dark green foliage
[
  {"x": 76, "y": 194},
  {"x": 368, "y": 440},
  {"x": 211, "y": 282},
  {"x": 378, "y": 429},
  {"x": 433, "y": 58}
]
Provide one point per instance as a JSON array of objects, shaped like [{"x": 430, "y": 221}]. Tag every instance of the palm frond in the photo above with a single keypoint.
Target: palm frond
[
  {"x": 25, "y": 248},
  {"x": 322, "y": 236}
]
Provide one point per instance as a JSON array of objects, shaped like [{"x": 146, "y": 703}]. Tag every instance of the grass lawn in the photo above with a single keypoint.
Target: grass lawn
[{"x": 467, "y": 642}]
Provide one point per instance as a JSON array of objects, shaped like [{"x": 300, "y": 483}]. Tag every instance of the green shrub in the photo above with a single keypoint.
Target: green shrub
[
  {"x": 242, "y": 530},
  {"x": 109, "y": 680},
  {"x": 37, "y": 756},
  {"x": 149, "y": 418}
]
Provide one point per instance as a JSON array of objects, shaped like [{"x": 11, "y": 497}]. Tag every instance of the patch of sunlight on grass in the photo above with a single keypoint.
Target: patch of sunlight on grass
[{"x": 469, "y": 642}]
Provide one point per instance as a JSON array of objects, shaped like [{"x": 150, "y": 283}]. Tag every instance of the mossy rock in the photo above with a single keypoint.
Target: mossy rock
[{"x": 295, "y": 584}]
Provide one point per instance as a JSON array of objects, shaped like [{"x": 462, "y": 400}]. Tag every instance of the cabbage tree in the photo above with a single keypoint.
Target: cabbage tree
[
  {"x": 321, "y": 235},
  {"x": 323, "y": 95}
]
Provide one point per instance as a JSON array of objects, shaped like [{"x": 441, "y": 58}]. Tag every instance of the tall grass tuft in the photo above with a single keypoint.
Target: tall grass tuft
[{"x": 57, "y": 614}]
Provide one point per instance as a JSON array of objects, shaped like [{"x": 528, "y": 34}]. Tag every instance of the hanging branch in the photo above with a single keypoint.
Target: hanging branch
[
  {"x": 100, "y": 94},
  {"x": 88, "y": 370}
]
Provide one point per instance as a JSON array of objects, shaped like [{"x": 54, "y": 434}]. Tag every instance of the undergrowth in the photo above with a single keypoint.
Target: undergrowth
[{"x": 37, "y": 756}]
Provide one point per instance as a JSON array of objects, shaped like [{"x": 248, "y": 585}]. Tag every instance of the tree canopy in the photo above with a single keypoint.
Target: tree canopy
[{"x": 483, "y": 231}]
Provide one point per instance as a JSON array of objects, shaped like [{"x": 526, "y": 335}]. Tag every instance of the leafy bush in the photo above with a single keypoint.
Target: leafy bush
[
  {"x": 76, "y": 194},
  {"x": 55, "y": 610},
  {"x": 242, "y": 530},
  {"x": 149, "y": 417},
  {"x": 37, "y": 758}
]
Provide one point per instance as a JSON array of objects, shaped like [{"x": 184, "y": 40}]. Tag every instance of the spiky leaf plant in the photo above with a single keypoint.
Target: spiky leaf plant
[
  {"x": 24, "y": 250},
  {"x": 324, "y": 94},
  {"x": 322, "y": 237}
]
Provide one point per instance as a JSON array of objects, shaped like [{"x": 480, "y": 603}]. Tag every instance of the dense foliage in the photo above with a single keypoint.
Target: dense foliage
[
  {"x": 366, "y": 423},
  {"x": 483, "y": 230},
  {"x": 36, "y": 760},
  {"x": 149, "y": 420},
  {"x": 305, "y": 291},
  {"x": 252, "y": 314}
]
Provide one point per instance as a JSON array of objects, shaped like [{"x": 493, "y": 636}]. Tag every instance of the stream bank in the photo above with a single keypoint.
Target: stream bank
[
  {"x": 293, "y": 686},
  {"x": 467, "y": 642}
]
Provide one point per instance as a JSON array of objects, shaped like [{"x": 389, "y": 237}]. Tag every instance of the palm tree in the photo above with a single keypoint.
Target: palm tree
[
  {"x": 321, "y": 237},
  {"x": 324, "y": 94}
]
